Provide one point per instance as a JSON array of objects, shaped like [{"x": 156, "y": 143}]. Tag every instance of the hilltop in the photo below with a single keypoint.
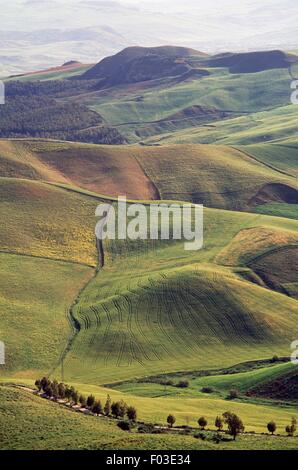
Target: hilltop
[{"x": 138, "y": 64}]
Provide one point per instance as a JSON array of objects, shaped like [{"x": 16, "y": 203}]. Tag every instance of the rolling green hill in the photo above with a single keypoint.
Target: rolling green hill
[
  {"x": 121, "y": 317},
  {"x": 45, "y": 221},
  {"x": 155, "y": 307},
  {"x": 109, "y": 170},
  {"x": 216, "y": 176},
  {"x": 274, "y": 125},
  {"x": 35, "y": 297},
  {"x": 164, "y": 310}
]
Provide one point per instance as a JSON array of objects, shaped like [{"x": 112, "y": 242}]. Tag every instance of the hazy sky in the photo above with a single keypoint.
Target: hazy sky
[{"x": 39, "y": 33}]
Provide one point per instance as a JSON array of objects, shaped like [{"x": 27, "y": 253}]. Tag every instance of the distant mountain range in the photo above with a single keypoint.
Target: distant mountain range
[{"x": 36, "y": 35}]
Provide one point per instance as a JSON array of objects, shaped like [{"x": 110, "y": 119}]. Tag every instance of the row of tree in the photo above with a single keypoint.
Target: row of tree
[
  {"x": 120, "y": 409},
  {"x": 55, "y": 390},
  {"x": 235, "y": 424},
  {"x": 290, "y": 428}
]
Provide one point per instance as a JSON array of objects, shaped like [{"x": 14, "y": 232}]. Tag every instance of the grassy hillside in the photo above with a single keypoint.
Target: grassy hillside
[
  {"x": 109, "y": 170},
  {"x": 217, "y": 176},
  {"x": 56, "y": 73},
  {"x": 281, "y": 157},
  {"x": 35, "y": 297},
  {"x": 289, "y": 211},
  {"x": 42, "y": 220},
  {"x": 220, "y": 383},
  {"x": 214, "y": 131},
  {"x": 165, "y": 309},
  {"x": 52, "y": 427},
  {"x": 155, "y": 307},
  {"x": 149, "y": 102},
  {"x": 276, "y": 124}
]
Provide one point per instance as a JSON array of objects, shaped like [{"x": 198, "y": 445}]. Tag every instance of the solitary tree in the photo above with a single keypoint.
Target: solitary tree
[
  {"x": 107, "y": 407},
  {"x": 218, "y": 423},
  {"x": 233, "y": 394},
  {"x": 131, "y": 413},
  {"x": 90, "y": 401},
  {"x": 171, "y": 420},
  {"x": 202, "y": 422},
  {"x": 97, "y": 407},
  {"x": 271, "y": 426},
  {"x": 235, "y": 425},
  {"x": 183, "y": 384},
  {"x": 288, "y": 430}
]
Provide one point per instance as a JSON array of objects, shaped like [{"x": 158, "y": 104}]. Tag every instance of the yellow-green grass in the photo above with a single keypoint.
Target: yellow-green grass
[
  {"x": 105, "y": 169},
  {"x": 280, "y": 157},
  {"x": 158, "y": 309},
  {"x": 252, "y": 242},
  {"x": 46, "y": 221},
  {"x": 167, "y": 288},
  {"x": 189, "y": 409},
  {"x": 216, "y": 176},
  {"x": 50, "y": 426},
  {"x": 35, "y": 296}
]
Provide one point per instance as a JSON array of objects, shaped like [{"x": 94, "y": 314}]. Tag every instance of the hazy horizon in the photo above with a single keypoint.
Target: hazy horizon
[{"x": 37, "y": 34}]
